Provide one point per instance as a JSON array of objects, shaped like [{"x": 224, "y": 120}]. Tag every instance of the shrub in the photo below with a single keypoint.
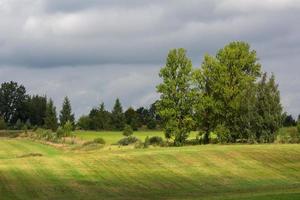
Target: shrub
[
  {"x": 60, "y": 132},
  {"x": 99, "y": 141},
  {"x": 146, "y": 142},
  {"x": 127, "y": 130},
  {"x": 128, "y": 140},
  {"x": 155, "y": 140},
  {"x": 195, "y": 141},
  {"x": 288, "y": 135},
  {"x": 223, "y": 134},
  {"x": 298, "y": 127},
  {"x": 139, "y": 145},
  {"x": 213, "y": 138},
  {"x": 68, "y": 127}
]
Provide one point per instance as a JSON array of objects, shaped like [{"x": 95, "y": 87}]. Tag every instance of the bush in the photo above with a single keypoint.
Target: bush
[
  {"x": 127, "y": 130},
  {"x": 298, "y": 127},
  {"x": 155, "y": 140},
  {"x": 99, "y": 141},
  {"x": 213, "y": 138},
  {"x": 60, "y": 132},
  {"x": 146, "y": 142},
  {"x": 68, "y": 127},
  {"x": 223, "y": 134},
  {"x": 128, "y": 140},
  {"x": 288, "y": 135}
]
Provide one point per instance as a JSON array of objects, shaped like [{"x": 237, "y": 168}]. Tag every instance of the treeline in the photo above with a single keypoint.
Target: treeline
[
  {"x": 228, "y": 99},
  {"x": 101, "y": 119},
  {"x": 18, "y": 110}
]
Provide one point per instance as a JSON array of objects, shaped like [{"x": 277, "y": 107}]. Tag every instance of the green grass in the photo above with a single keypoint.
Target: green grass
[
  {"x": 197, "y": 172},
  {"x": 112, "y": 137}
]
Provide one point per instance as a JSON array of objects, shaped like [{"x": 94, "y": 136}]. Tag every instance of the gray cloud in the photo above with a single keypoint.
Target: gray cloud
[{"x": 114, "y": 48}]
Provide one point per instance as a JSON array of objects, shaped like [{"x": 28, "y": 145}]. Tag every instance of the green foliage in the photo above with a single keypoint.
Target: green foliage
[
  {"x": 227, "y": 93},
  {"x": 51, "y": 116},
  {"x": 19, "y": 125},
  {"x": 68, "y": 127},
  {"x": 146, "y": 142},
  {"x": 288, "y": 135},
  {"x": 298, "y": 127},
  {"x": 175, "y": 104},
  {"x": 99, "y": 119},
  {"x": 84, "y": 123},
  {"x": 128, "y": 140},
  {"x": 156, "y": 140},
  {"x": 131, "y": 118},
  {"x": 12, "y": 102},
  {"x": 117, "y": 115},
  {"x": 60, "y": 132},
  {"x": 223, "y": 134},
  {"x": 66, "y": 113},
  {"x": 99, "y": 140},
  {"x": 127, "y": 130},
  {"x": 288, "y": 120},
  {"x": 47, "y": 135},
  {"x": 3, "y": 125},
  {"x": 36, "y": 109}
]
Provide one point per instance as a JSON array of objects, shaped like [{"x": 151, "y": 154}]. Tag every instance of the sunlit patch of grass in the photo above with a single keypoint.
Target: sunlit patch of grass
[{"x": 193, "y": 172}]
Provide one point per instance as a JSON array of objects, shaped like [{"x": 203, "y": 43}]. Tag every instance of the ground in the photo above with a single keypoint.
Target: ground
[{"x": 31, "y": 170}]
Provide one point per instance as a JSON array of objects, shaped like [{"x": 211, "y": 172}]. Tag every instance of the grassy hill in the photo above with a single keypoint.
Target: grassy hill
[{"x": 30, "y": 170}]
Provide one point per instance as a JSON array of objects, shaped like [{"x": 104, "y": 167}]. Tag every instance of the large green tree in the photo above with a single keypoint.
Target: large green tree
[
  {"x": 36, "y": 109},
  {"x": 175, "y": 104},
  {"x": 12, "y": 102},
  {"x": 222, "y": 84},
  {"x": 66, "y": 113},
  {"x": 131, "y": 118},
  {"x": 100, "y": 118},
  {"x": 51, "y": 116},
  {"x": 269, "y": 109},
  {"x": 117, "y": 116}
]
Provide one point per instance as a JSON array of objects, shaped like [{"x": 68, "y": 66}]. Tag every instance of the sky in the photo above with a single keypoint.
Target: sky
[{"x": 97, "y": 50}]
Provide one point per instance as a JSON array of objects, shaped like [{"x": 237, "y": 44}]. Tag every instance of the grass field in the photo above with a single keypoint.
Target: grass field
[
  {"x": 196, "y": 172},
  {"x": 112, "y": 137}
]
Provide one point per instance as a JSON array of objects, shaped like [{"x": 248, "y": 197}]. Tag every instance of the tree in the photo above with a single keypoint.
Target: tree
[
  {"x": 127, "y": 130},
  {"x": 84, "y": 122},
  {"x": 66, "y": 113},
  {"x": 117, "y": 116},
  {"x": 222, "y": 85},
  {"x": 269, "y": 109},
  {"x": 67, "y": 128},
  {"x": 288, "y": 120},
  {"x": 99, "y": 118},
  {"x": 2, "y": 123},
  {"x": 12, "y": 101},
  {"x": 36, "y": 109},
  {"x": 131, "y": 118},
  {"x": 51, "y": 116},
  {"x": 175, "y": 104}
]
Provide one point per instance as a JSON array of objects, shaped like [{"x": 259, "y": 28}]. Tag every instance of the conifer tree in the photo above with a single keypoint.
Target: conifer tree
[
  {"x": 117, "y": 116},
  {"x": 66, "y": 113},
  {"x": 51, "y": 116}
]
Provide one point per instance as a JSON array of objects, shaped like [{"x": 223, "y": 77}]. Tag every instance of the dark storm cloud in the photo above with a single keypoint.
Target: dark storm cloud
[{"x": 66, "y": 37}]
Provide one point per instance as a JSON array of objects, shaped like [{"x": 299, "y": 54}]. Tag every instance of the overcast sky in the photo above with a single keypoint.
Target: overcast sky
[{"x": 94, "y": 50}]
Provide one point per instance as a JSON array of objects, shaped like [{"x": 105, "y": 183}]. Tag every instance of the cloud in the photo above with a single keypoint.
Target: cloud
[{"x": 127, "y": 41}]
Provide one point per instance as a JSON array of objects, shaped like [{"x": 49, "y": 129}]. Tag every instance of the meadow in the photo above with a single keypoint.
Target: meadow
[
  {"x": 32, "y": 170},
  {"x": 112, "y": 137}
]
